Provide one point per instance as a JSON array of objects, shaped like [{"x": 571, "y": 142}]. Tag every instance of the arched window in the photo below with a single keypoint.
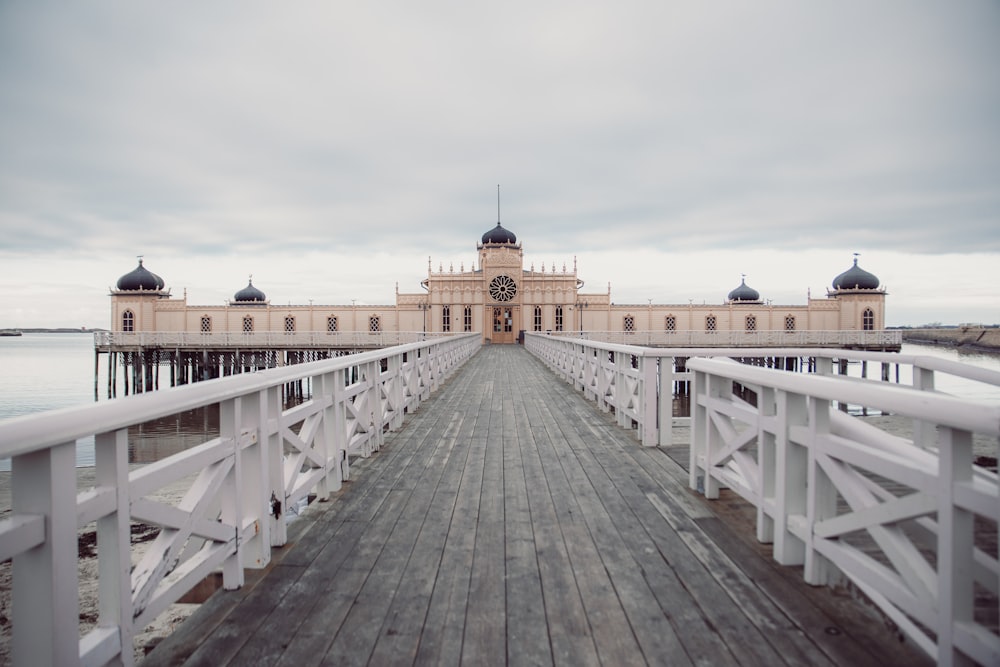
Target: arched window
[
  {"x": 628, "y": 324},
  {"x": 538, "y": 318},
  {"x": 331, "y": 324},
  {"x": 789, "y": 323},
  {"x": 670, "y": 324},
  {"x": 374, "y": 324},
  {"x": 559, "y": 318},
  {"x": 710, "y": 324},
  {"x": 751, "y": 324},
  {"x": 206, "y": 324},
  {"x": 128, "y": 321},
  {"x": 467, "y": 317},
  {"x": 247, "y": 324},
  {"x": 445, "y": 318},
  {"x": 289, "y": 324},
  {"x": 868, "y": 320}
]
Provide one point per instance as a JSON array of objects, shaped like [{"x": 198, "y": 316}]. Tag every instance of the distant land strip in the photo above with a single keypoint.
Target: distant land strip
[
  {"x": 985, "y": 338},
  {"x": 51, "y": 330}
]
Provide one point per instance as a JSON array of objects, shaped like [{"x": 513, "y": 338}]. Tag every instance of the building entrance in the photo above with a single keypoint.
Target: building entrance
[{"x": 504, "y": 327}]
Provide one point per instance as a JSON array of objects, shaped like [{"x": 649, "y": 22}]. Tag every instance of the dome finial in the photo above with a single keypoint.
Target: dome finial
[
  {"x": 498, "y": 204},
  {"x": 141, "y": 278},
  {"x": 856, "y": 278}
]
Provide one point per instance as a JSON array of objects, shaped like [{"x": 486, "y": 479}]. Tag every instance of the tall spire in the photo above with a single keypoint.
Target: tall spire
[{"x": 498, "y": 203}]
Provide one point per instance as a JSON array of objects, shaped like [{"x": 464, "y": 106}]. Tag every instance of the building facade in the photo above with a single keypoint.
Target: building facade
[{"x": 498, "y": 299}]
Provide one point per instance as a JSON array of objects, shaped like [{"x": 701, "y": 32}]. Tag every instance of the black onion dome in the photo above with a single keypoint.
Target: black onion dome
[
  {"x": 249, "y": 294},
  {"x": 141, "y": 279},
  {"x": 855, "y": 278},
  {"x": 744, "y": 293},
  {"x": 499, "y": 235}
]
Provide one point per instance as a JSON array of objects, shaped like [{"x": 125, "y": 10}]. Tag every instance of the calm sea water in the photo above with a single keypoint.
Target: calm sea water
[{"x": 41, "y": 372}]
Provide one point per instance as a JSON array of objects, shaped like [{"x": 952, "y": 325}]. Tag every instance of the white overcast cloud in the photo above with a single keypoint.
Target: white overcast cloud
[{"x": 330, "y": 148}]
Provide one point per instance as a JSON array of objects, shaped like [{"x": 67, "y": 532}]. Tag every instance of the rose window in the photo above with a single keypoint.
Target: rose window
[{"x": 503, "y": 288}]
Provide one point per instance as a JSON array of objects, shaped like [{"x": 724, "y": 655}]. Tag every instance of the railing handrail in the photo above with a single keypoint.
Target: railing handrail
[
  {"x": 955, "y": 368},
  {"x": 979, "y": 416},
  {"x": 33, "y": 432}
]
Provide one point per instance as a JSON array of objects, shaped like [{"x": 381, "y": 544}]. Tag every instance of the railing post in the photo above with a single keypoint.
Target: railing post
[
  {"x": 766, "y": 461},
  {"x": 665, "y": 401},
  {"x": 790, "y": 478},
  {"x": 822, "y": 495},
  {"x": 339, "y": 408},
  {"x": 376, "y": 435},
  {"x": 231, "y": 496},
  {"x": 250, "y": 426},
  {"x": 395, "y": 393},
  {"x": 114, "y": 540},
  {"x": 647, "y": 398},
  {"x": 45, "y": 596},
  {"x": 955, "y": 545},
  {"x": 620, "y": 387},
  {"x": 270, "y": 427},
  {"x": 325, "y": 441},
  {"x": 699, "y": 425}
]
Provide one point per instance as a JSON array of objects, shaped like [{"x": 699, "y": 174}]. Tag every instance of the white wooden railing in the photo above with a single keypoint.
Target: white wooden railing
[
  {"x": 819, "y": 478},
  {"x": 628, "y": 378},
  {"x": 259, "y": 339},
  {"x": 685, "y": 338},
  {"x": 265, "y": 458}
]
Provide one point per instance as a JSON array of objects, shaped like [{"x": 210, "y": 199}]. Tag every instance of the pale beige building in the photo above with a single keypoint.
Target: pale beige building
[{"x": 499, "y": 299}]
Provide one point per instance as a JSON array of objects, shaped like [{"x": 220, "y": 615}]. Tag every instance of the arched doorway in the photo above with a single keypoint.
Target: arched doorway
[{"x": 505, "y": 321}]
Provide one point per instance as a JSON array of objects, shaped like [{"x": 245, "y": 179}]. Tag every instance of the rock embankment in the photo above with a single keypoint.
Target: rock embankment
[{"x": 977, "y": 337}]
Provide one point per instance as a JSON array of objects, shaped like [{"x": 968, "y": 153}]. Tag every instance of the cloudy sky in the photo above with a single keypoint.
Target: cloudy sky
[{"x": 329, "y": 149}]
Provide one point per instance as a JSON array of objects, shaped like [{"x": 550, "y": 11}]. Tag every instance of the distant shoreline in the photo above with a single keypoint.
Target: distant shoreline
[
  {"x": 51, "y": 330},
  {"x": 975, "y": 338}
]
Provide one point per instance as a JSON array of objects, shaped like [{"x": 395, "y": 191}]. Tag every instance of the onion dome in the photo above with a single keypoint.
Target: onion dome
[
  {"x": 855, "y": 278},
  {"x": 249, "y": 294},
  {"x": 141, "y": 279},
  {"x": 499, "y": 235},
  {"x": 744, "y": 293}
]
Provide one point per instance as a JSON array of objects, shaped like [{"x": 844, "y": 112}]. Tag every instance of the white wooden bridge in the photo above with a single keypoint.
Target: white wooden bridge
[{"x": 508, "y": 522}]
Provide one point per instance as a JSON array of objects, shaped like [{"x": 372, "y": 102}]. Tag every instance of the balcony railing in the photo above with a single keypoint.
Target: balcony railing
[
  {"x": 868, "y": 339},
  {"x": 106, "y": 340}
]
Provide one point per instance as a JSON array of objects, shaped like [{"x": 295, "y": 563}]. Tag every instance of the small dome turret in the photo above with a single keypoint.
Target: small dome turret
[
  {"x": 499, "y": 235},
  {"x": 856, "y": 278},
  {"x": 141, "y": 278},
  {"x": 249, "y": 294},
  {"x": 744, "y": 293}
]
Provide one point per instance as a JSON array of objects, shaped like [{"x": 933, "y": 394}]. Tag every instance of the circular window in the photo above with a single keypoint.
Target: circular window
[{"x": 503, "y": 288}]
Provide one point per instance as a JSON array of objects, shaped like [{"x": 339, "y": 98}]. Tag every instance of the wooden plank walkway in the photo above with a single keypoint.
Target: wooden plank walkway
[{"x": 510, "y": 522}]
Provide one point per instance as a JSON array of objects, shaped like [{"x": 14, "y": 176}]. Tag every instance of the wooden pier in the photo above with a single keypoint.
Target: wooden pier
[{"x": 510, "y": 522}]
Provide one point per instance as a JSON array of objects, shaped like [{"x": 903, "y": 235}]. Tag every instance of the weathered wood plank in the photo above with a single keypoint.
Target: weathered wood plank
[
  {"x": 527, "y": 634},
  {"x": 444, "y": 625}
]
